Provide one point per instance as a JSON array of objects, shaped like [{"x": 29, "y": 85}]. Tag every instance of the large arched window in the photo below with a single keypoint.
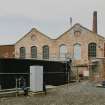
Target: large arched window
[
  {"x": 45, "y": 52},
  {"x": 33, "y": 52},
  {"x": 63, "y": 51},
  {"x": 92, "y": 50},
  {"x": 77, "y": 51},
  {"x": 22, "y": 52}
]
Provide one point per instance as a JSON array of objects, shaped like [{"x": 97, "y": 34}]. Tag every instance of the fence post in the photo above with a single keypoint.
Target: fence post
[{"x": 16, "y": 87}]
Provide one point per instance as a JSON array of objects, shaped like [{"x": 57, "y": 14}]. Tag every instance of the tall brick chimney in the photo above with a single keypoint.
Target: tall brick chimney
[{"x": 95, "y": 21}]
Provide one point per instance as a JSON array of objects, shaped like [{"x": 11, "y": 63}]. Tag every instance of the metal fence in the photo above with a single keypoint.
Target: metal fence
[
  {"x": 55, "y": 73},
  {"x": 12, "y": 80}
]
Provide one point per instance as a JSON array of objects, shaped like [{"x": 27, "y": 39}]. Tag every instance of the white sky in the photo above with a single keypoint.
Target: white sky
[{"x": 51, "y": 17}]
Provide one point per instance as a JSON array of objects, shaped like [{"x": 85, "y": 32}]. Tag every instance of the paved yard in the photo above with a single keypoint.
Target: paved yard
[{"x": 83, "y": 93}]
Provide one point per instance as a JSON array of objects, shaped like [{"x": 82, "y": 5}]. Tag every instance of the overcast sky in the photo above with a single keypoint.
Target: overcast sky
[{"x": 51, "y": 17}]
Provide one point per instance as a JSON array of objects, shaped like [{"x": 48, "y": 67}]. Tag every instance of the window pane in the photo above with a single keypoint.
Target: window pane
[
  {"x": 77, "y": 51},
  {"x": 22, "y": 52},
  {"x": 63, "y": 51},
  {"x": 92, "y": 50},
  {"x": 45, "y": 52},
  {"x": 34, "y": 52}
]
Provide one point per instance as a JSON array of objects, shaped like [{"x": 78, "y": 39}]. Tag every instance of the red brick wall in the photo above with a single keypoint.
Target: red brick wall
[
  {"x": 104, "y": 49},
  {"x": 7, "y": 51}
]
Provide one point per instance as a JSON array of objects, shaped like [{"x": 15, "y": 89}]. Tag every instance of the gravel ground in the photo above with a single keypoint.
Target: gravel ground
[{"x": 83, "y": 93}]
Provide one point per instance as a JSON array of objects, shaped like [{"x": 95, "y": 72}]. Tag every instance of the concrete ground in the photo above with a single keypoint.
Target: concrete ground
[{"x": 83, "y": 93}]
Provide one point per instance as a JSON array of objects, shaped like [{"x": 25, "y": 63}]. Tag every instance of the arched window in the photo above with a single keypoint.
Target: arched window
[
  {"x": 92, "y": 50},
  {"x": 22, "y": 52},
  {"x": 33, "y": 52},
  {"x": 77, "y": 51},
  {"x": 63, "y": 51},
  {"x": 45, "y": 52}
]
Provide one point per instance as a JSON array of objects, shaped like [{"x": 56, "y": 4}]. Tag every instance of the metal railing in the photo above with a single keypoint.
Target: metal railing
[{"x": 52, "y": 57}]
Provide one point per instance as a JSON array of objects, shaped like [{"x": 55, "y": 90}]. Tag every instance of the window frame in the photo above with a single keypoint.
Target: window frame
[
  {"x": 62, "y": 55},
  {"x": 22, "y": 52},
  {"x": 33, "y": 52},
  {"x": 77, "y": 55},
  {"x": 45, "y": 51},
  {"x": 92, "y": 50}
]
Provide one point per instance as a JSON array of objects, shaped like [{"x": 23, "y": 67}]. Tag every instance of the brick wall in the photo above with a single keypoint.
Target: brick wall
[{"x": 6, "y": 51}]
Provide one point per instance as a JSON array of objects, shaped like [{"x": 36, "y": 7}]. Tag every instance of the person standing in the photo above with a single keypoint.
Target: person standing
[{"x": 24, "y": 87}]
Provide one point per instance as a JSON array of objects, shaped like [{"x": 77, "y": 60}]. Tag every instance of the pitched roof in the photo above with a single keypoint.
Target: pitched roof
[
  {"x": 33, "y": 29},
  {"x": 81, "y": 27}
]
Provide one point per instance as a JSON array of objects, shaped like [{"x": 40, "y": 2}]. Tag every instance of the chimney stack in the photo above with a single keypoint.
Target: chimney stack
[{"x": 95, "y": 21}]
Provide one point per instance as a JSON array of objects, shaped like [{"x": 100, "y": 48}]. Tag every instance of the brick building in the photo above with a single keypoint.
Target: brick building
[
  {"x": 7, "y": 51},
  {"x": 78, "y": 43},
  {"x": 81, "y": 45}
]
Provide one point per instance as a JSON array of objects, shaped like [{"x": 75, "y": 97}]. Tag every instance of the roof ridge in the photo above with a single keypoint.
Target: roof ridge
[
  {"x": 32, "y": 29},
  {"x": 80, "y": 26}
]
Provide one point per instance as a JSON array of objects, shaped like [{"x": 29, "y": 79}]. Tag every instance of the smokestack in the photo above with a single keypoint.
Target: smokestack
[
  {"x": 95, "y": 21},
  {"x": 71, "y": 21}
]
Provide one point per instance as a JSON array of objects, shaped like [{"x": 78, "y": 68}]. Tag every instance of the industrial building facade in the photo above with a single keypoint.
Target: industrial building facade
[{"x": 78, "y": 44}]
